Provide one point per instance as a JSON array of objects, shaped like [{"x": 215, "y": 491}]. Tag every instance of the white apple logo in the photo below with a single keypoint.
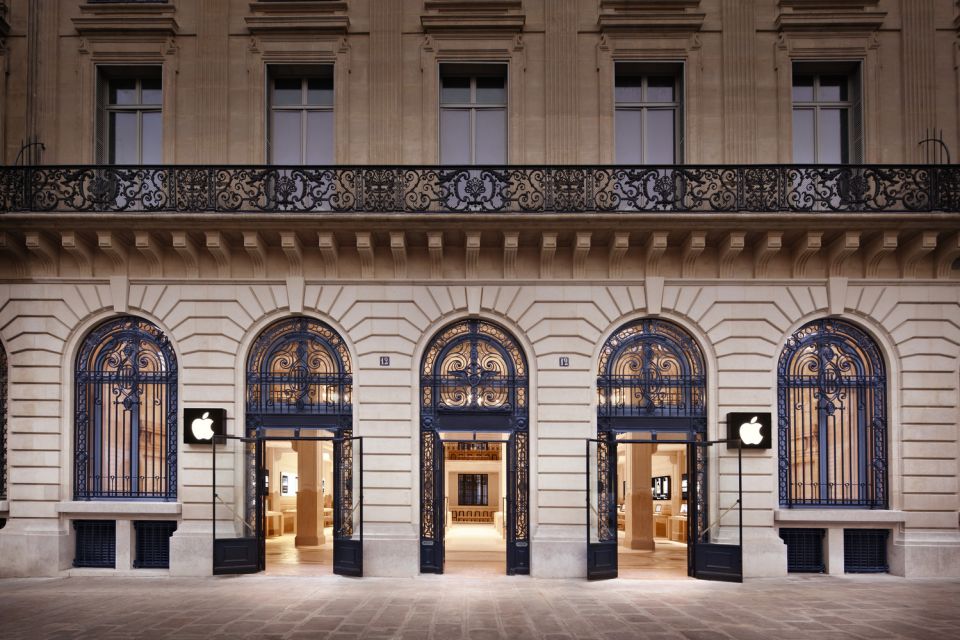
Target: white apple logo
[
  {"x": 201, "y": 427},
  {"x": 750, "y": 432}
]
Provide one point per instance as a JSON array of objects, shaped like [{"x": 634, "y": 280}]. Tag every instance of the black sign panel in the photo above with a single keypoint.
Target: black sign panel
[
  {"x": 200, "y": 425},
  {"x": 752, "y": 428}
]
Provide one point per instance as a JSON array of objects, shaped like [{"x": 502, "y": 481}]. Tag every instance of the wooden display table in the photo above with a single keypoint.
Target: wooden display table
[
  {"x": 678, "y": 528},
  {"x": 274, "y": 523}
]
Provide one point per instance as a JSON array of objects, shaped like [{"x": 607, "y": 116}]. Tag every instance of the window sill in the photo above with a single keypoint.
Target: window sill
[
  {"x": 838, "y": 516},
  {"x": 121, "y": 509}
]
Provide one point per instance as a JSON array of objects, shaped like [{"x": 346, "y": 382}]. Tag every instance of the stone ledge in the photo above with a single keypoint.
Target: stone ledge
[
  {"x": 4, "y": 506},
  {"x": 122, "y": 509},
  {"x": 838, "y": 516},
  {"x": 116, "y": 573}
]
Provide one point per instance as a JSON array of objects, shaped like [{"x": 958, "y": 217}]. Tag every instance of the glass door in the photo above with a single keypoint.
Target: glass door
[
  {"x": 348, "y": 506},
  {"x": 237, "y": 543},
  {"x": 601, "y": 509},
  {"x": 714, "y": 560}
]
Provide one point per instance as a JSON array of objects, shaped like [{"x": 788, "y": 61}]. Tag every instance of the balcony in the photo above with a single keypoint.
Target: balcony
[{"x": 520, "y": 190}]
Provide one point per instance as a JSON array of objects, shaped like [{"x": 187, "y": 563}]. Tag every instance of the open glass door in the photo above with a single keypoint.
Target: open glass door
[
  {"x": 237, "y": 543},
  {"x": 601, "y": 509},
  {"x": 348, "y": 506},
  {"x": 713, "y": 560}
]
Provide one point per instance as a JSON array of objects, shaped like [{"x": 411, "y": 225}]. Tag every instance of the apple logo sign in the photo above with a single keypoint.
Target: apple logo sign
[
  {"x": 202, "y": 430},
  {"x": 201, "y": 425},
  {"x": 750, "y": 432}
]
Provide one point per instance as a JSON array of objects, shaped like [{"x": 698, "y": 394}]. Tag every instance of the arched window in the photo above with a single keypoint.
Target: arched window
[
  {"x": 126, "y": 413},
  {"x": 831, "y": 396},
  {"x": 651, "y": 368},
  {"x": 299, "y": 366}
]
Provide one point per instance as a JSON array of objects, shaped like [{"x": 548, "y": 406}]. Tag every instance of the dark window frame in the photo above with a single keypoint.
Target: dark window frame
[
  {"x": 853, "y": 149},
  {"x": 473, "y": 71},
  {"x": 107, "y": 75},
  {"x": 306, "y": 74},
  {"x": 645, "y": 70},
  {"x": 473, "y": 489}
]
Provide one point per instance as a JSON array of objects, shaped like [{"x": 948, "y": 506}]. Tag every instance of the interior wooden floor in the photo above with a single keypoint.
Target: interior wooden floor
[
  {"x": 667, "y": 562},
  {"x": 286, "y": 559}
]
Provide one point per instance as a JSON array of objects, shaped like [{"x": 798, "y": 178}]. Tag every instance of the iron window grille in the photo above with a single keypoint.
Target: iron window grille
[
  {"x": 472, "y": 489},
  {"x": 831, "y": 397},
  {"x": 804, "y": 550},
  {"x": 865, "y": 550},
  {"x": 153, "y": 543},
  {"x": 126, "y": 413},
  {"x": 96, "y": 543}
]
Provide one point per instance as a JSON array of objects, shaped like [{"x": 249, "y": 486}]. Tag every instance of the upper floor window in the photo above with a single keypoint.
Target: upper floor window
[
  {"x": 473, "y": 113},
  {"x": 130, "y": 116},
  {"x": 649, "y": 113},
  {"x": 827, "y": 113},
  {"x": 301, "y": 116}
]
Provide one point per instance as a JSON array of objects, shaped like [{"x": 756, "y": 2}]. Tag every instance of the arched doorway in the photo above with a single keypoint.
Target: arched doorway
[
  {"x": 474, "y": 380},
  {"x": 651, "y": 396},
  {"x": 299, "y": 400}
]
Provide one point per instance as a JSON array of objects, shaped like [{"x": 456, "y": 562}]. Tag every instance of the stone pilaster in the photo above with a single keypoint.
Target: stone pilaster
[
  {"x": 213, "y": 47},
  {"x": 385, "y": 76},
  {"x": 919, "y": 76},
  {"x": 560, "y": 83},
  {"x": 738, "y": 46}
]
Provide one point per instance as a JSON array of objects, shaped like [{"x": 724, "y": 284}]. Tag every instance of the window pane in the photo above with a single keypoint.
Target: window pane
[
  {"x": 628, "y": 136},
  {"x": 320, "y": 91},
  {"x": 285, "y": 138},
  {"x": 660, "y": 89},
  {"x": 319, "y": 137},
  {"x": 491, "y": 91},
  {"x": 123, "y": 138},
  {"x": 287, "y": 91},
  {"x": 151, "y": 142},
  {"x": 628, "y": 89},
  {"x": 455, "y": 90},
  {"x": 151, "y": 91},
  {"x": 832, "y": 136},
  {"x": 833, "y": 88},
  {"x": 803, "y": 139},
  {"x": 454, "y": 136},
  {"x": 491, "y": 136},
  {"x": 802, "y": 88},
  {"x": 123, "y": 91},
  {"x": 660, "y": 136}
]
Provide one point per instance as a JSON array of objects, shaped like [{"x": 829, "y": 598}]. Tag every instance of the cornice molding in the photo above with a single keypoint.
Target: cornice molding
[
  {"x": 484, "y": 15},
  {"x": 126, "y": 18},
  {"x": 832, "y": 15},
  {"x": 642, "y": 15},
  {"x": 329, "y": 16}
]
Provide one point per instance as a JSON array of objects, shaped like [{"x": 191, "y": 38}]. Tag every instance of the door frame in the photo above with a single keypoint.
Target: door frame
[
  {"x": 705, "y": 560},
  {"x": 348, "y": 551}
]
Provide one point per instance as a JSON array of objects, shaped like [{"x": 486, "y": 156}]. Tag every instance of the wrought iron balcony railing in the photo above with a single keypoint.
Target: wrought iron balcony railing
[{"x": 475, "y": 189}]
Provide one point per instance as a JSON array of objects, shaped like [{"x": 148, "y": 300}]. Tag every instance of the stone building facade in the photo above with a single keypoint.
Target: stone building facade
[{"x": 731, "y": 230}]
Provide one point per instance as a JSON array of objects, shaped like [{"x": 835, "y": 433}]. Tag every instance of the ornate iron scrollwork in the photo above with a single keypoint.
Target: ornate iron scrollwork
[
  {"x": 300, "y": 367},
  {"x": 474, "y": 370},
  {"x": 126, "y": 413},
  {"x": 831, "y": 397},
  {"x": 434, "y": 189}
]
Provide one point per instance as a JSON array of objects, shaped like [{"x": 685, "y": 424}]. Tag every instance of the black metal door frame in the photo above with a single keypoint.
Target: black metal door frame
[
  {"x": 234, "y": 553},
  {"x": 705, "y": 560}
]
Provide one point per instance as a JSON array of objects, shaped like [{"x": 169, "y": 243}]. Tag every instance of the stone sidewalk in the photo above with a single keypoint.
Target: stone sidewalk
[{"x": 448, "y": 607}]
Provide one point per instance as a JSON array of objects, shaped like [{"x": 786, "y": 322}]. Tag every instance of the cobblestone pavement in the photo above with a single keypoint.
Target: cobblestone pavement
[{"x": 442, "y": 607}]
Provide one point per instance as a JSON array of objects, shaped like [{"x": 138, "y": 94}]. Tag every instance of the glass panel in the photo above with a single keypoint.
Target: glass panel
[
  {"x": 123, "y": 91},
  {"x": 803, "y": 139},
  {"x": 455, "y": 90},
  {"x": 629, "y": 89},
  {"x": 123, "y": 138},
  {"x": 832, "y": 89},
  {"x": 629, "y": 139},
  {"x": 320, "y": 91},
  {"x": 832, "y": 136},
  {"x": 320, "y": 137},
  {"x": 802, "y": 88},
  {"x": 454, "y": 136},
  {"x": 660, "y": 136},
  {"x": 151, "y": 142},
  {"x": 491, "y": 136},
  {"x": 151, "y": 91},
  {"x": 287, "y": 91},
  {"x": 285, "y": 138},
  {"x": 491, "y": 91},
  {"x": 593, "y": 493},
  {"x": 660, "y": 88}
]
